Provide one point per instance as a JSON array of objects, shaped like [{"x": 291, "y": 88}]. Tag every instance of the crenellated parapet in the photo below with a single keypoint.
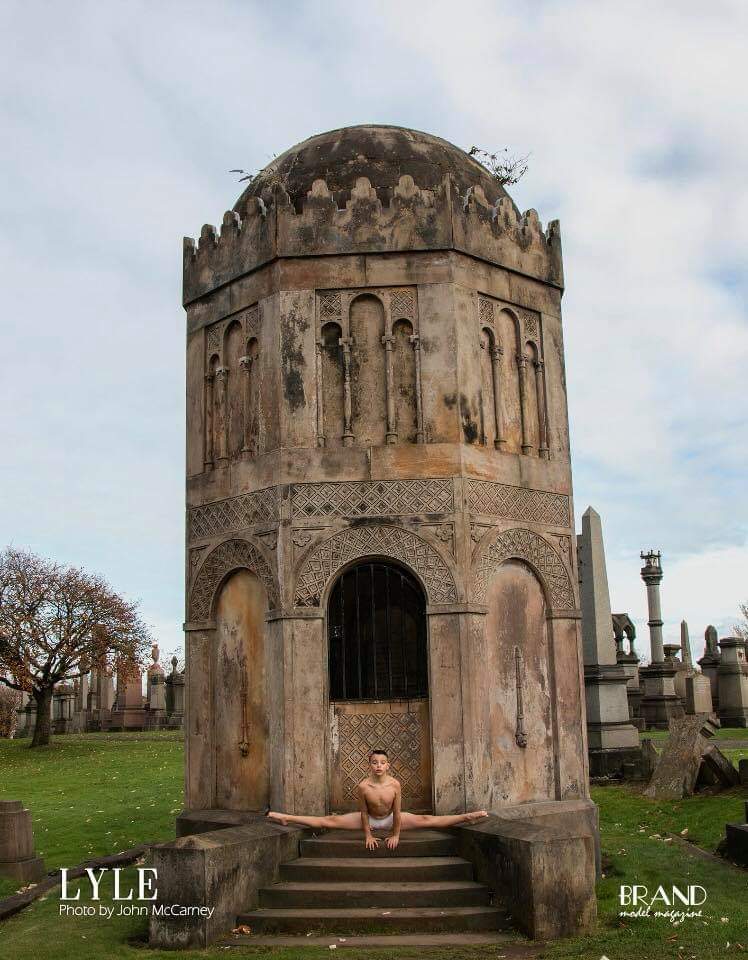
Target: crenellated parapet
[{"x": 369, "y": 220}]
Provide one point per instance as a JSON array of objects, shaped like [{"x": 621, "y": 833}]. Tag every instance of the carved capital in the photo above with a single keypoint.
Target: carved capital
[
  {"x": 208, "y": 378},
  {"x": 222, "y": 373},
  {"x": 497, "y": 353},
  {"x": 245, "y": 363},
  {"x": 388, "y": 340}
]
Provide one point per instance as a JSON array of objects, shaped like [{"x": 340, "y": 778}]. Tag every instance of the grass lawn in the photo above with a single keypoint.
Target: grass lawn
[{"x": 95, "y": 794}]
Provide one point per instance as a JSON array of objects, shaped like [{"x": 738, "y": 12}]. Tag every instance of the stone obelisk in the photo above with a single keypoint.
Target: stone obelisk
[{"x": 612, "y": 738}]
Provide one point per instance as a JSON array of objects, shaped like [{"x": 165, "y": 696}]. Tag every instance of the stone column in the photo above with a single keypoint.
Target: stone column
[
  {"x": 416, "y": 341},
  {"x": 542, "y": 427},
  {"x": 709, "y": 663},
  {"x": 208, "y": 407},
  {"x": 496, "y": 354},
  {"x": 612, "y": 739},
  {"x": 220, "y": 413},
  {"x": 345, "y": 343},
  {"x": 247, "y": 440},
  {"x": 732, "y": 676},
  {"x": 652, "y": 576},
  {"x": 522, "y": 368},
  {"x": 660, "y": 703},
  {"x": 320, "y": 394},
  {"x": 389, "y": 341},
  {"x": 17, "y": 859}
]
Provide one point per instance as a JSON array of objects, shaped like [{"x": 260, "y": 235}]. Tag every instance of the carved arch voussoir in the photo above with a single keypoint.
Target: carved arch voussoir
[
  {"x": 526, "y": 545},
  {"x": 322, "y": 563},
  {"x": 226, "y": 557}
]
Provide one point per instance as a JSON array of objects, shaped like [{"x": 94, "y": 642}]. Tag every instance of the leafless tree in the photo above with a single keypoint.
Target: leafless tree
[
  {"x": 56, "y": 623},
  {"x": 503, "y": 167},
  {"x": 741, "y": 628}
]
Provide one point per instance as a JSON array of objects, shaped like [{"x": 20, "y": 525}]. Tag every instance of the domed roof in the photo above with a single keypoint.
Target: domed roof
[{"x": 383, "y": 154}]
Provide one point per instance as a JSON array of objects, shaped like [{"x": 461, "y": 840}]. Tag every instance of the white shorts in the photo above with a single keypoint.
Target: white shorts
[{"x": 383, "y": 823}]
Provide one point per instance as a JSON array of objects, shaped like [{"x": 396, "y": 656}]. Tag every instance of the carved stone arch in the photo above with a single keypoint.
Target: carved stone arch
[
  {"x": 521, "y": 544},
  {"x": 321, "y": 564},
  {"x": 224, "y": 559}
]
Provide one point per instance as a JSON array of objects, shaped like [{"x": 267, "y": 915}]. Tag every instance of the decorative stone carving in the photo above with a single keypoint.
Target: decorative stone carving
[
  {"x": 530, "y": 324},
  {"x": 228, "y": 556},
  {"x": 269, "y": 539},
  {"x": 518, "y": 503},
  {"x": 390, "y": 541},
  {"x": 402, "y": 305},
  {"x": 529, "y": 546},
  {"x": 485, "y": 311},
  {"x": 215, "y": 335},
  {"x": 329, "y": 306},
  {"x": 234, "y": 514},
  {"x": 196, "y": 555},
  {"x": 372, "y": 498},
  {"x": 362, "y": 732}
]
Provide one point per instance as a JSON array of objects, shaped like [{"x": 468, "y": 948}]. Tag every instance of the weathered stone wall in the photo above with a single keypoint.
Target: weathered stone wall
[{"x": 386, "y": 378}]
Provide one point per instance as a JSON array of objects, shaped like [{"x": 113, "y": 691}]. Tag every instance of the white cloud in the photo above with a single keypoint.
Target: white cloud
[{"x": 123, "y": 120}]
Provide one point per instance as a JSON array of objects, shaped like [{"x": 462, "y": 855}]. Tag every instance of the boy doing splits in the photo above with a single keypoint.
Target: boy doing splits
[{"x": 379, "y": 797}]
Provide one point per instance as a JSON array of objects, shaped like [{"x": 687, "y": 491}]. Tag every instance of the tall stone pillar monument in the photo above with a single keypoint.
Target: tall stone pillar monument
[
  {"x": 660, "y": 702},
  {"x": 611, "y": 737},
  {"x": 732, "y": 675}
]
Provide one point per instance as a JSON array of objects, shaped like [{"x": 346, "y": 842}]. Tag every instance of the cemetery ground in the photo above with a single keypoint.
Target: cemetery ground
[{"x": 97, "y": 794}]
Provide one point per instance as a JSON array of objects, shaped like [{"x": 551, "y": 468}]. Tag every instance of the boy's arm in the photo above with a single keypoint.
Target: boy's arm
[{"x": 394, "y": 838}]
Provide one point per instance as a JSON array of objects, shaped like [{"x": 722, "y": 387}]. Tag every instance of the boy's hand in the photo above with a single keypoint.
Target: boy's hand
[
  {"x": 392, "y": 841},
  {"x": 371, "y": 842}
]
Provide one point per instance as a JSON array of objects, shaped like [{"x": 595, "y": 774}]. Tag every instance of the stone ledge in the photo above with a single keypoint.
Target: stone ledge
[
  {"x": 222, "y": 869},
  {"x": 541, "y": 860}
]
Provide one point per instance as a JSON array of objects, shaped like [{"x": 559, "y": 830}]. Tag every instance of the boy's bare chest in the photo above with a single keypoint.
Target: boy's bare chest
[{"x": 379, "y": 798}]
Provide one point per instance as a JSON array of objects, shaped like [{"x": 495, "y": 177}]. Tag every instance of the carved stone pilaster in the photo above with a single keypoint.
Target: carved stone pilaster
[
  {"x": 220, "y": 413},
  {"x": 542, "y": 425},
  {"x": 522, "y": 367},
  {"x": 496, "y": 354},
  {"x": 416, "y": 342},
  {"x": 345, "y": 343},
  {"x": 389, "y": 341}
]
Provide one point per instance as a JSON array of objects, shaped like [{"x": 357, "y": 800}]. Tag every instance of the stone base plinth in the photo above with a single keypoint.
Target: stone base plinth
[
  {"x": 611, "y": 763},
  {"x": 541, "y": 859},
  {"x": 660, "y": 703},
  {"x": 734, "y": 717},
  {"x": 30, "y": 870}
]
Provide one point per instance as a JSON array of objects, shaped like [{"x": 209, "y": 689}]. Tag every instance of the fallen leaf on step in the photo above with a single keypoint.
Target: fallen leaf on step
[{"x": 243, "y": 929}]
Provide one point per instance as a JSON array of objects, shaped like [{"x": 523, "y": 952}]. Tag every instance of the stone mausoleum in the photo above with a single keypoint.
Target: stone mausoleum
[{"x": 380, "y": 528}]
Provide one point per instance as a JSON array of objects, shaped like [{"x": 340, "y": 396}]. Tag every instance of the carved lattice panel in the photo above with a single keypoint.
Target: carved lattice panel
[
  {"x": 400, "y": 728},
  {"x": 233, "y": 514},
  {"x": 518, "y": 503},
  {"x": 377, "y": 498},
  {"x": 524, "y": 545}
]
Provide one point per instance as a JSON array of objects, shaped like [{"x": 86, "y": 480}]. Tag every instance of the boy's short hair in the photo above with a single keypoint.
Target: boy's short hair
[{"x": 383, "y": 752}]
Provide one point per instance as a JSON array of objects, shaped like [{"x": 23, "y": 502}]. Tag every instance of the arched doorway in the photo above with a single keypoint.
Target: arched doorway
[{"x": 378, "y": 681}]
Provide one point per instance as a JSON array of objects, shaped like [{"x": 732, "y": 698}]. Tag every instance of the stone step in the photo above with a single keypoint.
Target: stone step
[
  {"x": 508, "y": 941},
  {"x": 460, "y": 893},
  {"x": 373, "y": 919},
  {"x": 353, "y": 869},
  {"x": 350, "y": 843}
]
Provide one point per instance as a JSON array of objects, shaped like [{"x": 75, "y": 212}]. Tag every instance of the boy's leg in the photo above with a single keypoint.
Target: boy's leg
[
  {"x": 414, "y": 821},
  {"x": 340, "y": 821}
]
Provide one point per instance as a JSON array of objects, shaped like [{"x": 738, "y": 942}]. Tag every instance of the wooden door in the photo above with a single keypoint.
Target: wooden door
[{"x": 401, "y": 727}]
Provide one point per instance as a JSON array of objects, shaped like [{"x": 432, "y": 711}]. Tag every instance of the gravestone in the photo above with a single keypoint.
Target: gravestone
[
  {"x": 660, "y": 702},
  {"x": 685, "y": 755},
  {"x": 698, "y": 695},
  {"x": 737, "y": 839},
  {"x": 17, "y": 859}
]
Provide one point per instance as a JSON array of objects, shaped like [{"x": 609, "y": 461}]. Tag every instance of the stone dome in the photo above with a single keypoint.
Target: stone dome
[{"x": 380, "y": 153}]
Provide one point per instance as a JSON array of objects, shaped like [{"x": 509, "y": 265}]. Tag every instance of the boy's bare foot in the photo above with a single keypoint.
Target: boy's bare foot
[
  {"x": 278, "y": 817},
  {"x": 475, "y": 815}
]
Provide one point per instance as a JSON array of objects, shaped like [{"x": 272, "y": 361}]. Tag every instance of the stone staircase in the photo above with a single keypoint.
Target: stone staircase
[{"x": 337, "y": 886}]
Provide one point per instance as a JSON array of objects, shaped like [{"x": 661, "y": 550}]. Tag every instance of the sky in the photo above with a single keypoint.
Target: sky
[{"x": 121, "y": 123}]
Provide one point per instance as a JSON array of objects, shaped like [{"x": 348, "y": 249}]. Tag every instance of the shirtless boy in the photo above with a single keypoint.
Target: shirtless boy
[{"x": 379, "y": 797}]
